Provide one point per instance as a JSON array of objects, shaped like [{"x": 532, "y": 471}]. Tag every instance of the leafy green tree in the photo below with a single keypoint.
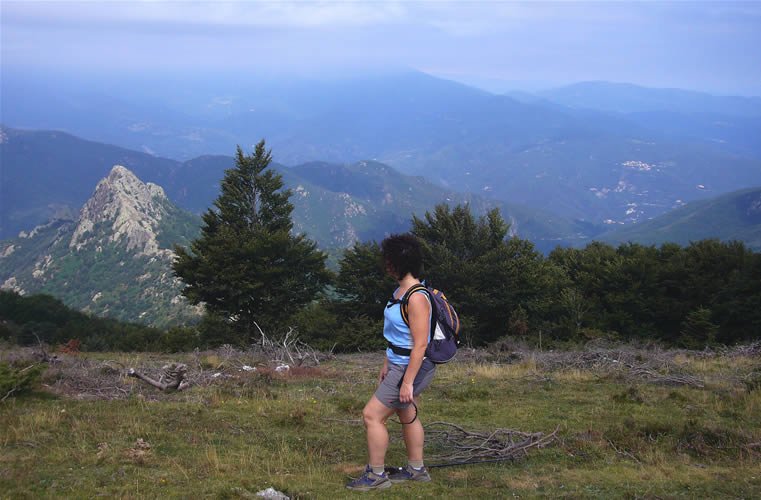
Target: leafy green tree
[
  {"x": 362, "y": 283},
  {"x": 698, "y": 330},
  {"x": 246, "y": 266},
  {"x": 327, "y": 327},
  {"x": 671, "y": 304},
  {"x": 632, "y": 292},
  {"x": 518, "y": 326},
  {"x": 484, "y": 275},
  {"x": 576, "y": 307},
  {"x": 736, "y": 308},
  {"x": 179, "y": 339},
  {"x": 352, "y": 318},
  {"x": 587, "y": 271}
]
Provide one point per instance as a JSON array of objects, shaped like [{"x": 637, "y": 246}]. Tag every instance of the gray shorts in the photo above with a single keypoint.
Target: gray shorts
[{"x": 388, "y": 390}]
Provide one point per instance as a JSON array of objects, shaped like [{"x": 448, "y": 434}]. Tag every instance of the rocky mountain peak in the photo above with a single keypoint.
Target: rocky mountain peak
[{"x": 129, "y": 208}]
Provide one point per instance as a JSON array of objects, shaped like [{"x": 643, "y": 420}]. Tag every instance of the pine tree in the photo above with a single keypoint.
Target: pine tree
[{"x": 246, "y": 266}]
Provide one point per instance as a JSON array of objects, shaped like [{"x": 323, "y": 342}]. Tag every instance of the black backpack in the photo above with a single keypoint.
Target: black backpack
[{"x": 445, "y": 325}]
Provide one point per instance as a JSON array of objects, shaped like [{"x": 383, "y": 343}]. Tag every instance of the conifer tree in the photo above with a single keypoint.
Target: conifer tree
[{"x": 246, "y": 266}]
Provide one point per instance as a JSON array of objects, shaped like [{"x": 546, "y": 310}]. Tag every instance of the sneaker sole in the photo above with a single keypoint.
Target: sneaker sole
[
  {"x": 380, "y": 486},
  {"x": 421, "y": 480}
]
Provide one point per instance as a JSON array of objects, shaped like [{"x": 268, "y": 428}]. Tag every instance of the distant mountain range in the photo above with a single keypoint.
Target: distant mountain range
[
  {"x": 728, "y": 123},
  {"x": 592, "y": 152},
  {"x": 733, "y": 216},
  {"x": 628, "y": 98},
  {"x": 46, "y": 175}
]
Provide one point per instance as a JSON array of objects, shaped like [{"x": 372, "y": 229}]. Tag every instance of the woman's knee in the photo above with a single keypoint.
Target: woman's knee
[{"x": 374, "y": 413}]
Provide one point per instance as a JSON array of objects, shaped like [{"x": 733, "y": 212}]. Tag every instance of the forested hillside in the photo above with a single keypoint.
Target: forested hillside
[
  {"x": 732, "y": 217},
  {"x": 51, "y": 175},
  {"x": 42, "y": 318}
]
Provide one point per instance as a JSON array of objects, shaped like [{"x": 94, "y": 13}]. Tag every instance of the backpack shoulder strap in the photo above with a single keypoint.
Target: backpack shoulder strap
[{"x": 419, "y": 287}]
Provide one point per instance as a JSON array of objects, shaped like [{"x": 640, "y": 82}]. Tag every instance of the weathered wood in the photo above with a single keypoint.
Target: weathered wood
[{"x": 172, "y": 377}]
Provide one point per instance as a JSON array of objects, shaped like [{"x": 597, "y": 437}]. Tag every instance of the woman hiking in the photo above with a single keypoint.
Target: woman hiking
[{"x": 405, "y": 372}]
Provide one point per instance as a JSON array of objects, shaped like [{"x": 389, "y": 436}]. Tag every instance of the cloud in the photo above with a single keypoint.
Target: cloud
[
  {"x": 255, "y": 14},
  {"x": 652, "y": 43}
]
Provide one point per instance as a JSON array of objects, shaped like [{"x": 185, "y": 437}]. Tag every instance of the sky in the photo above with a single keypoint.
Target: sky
[{"x": 499, "y": 46}]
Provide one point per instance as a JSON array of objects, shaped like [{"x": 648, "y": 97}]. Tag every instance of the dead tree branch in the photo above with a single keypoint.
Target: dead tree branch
[
  {"x": 666, "y": 379},
  {"x": 287, "y": 349},
  {"x": 172, "y": 377},
  {"x": 460, "y": 446},
  {"x": 43, "y": 355}
]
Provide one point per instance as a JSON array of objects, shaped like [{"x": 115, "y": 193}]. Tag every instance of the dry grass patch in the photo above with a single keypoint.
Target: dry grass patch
[
  {"x": 522, "y": 482},
  {"x": 350, "y": 469},
  {"x": 493, "y": 371},
  {"x": 575, "y": 375},
  {"x": 458, "y": 475}
]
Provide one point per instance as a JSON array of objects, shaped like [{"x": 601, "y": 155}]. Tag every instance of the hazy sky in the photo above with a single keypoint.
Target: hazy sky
[{"x": 695, "y": 45}]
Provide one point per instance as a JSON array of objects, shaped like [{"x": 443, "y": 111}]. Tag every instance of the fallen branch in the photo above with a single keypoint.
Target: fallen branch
[
  {"x": 460, "y": 446},
  {"x": 666, "y": 379},
  {"x": 9, "y": 394},
  {"x": 623, "y": 452},
  {"x": 174, "y": 374}
]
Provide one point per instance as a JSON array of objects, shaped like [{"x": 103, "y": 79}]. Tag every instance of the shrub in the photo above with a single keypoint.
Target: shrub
[
  {"x": 326, "y": 326},
  {"x": 15, "y": 381},
  {"x": 753, "y": 380},
  {"x": 71, "y": 347},
  {"x": 179, "y": 339}
]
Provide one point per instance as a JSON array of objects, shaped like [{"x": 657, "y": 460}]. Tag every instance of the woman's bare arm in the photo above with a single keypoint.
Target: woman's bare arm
[{"x": 419, "y": 313}]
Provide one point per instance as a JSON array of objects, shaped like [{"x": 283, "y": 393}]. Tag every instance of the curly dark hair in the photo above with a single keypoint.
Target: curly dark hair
[{"x": 402, "y": 254}]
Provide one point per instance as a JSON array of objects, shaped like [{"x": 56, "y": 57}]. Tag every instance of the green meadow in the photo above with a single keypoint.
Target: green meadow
[{"x": 631, "y": 423}]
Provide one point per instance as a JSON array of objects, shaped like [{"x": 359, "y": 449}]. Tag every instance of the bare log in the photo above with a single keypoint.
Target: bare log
[{"x": 172, "y": 377}]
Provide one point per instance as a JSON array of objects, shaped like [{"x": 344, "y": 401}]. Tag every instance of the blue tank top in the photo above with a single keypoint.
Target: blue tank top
[{"x": 396, "y": 331}]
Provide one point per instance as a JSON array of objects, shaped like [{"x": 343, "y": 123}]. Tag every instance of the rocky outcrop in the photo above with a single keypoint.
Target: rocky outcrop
[
  {"x": 131, "y": 209},
  {"x": 114, "y": 260}
]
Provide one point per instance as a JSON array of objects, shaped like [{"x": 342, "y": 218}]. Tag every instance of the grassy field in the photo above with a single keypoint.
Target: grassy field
[{"x": 631, "y": 423}]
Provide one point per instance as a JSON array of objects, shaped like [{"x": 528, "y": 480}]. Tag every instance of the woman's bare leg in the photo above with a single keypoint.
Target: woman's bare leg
[
  {"x": 375, "y": 415},
  {"x": 413, "y": 433}
]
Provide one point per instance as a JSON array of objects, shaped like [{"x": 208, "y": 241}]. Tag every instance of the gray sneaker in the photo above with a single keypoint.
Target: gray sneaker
[
  {"x": 369, "y": 481},
  {"x": 409, "y": 474}
]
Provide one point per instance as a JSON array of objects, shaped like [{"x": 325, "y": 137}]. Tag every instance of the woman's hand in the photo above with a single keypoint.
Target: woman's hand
[
  {"x": 383, "y": 373},
  {"x": 405, "y": 392}
]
